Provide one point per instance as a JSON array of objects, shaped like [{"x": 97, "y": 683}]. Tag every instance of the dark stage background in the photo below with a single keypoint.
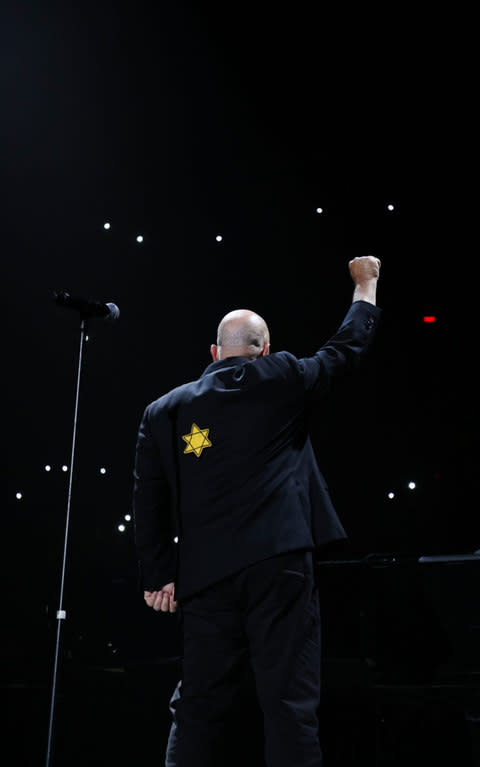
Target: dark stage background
[{"x": 182, "y": 122}]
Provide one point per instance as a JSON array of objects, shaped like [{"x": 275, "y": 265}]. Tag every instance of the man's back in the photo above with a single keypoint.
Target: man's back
[
  {"x": 244, "y": 482},
  {"x": 242, "y": 467}
]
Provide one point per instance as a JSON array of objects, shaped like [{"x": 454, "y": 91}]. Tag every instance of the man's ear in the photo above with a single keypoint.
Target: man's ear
[
  {"x": 214, "y": 352},
  {"x": 265, "y": 350}
]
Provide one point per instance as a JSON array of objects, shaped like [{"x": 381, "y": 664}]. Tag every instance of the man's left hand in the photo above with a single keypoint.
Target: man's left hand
[{"x": 163, "y": 600}]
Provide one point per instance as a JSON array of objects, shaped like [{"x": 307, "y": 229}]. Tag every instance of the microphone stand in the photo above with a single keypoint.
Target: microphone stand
[{"x": 61, "y": 613}]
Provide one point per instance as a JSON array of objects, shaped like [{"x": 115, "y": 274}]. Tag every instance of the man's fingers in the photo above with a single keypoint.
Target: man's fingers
[
  {"x": 150, "y": 597},
  {"x": 158, "y": 604},
  {"x": 164, "y": 603},
  {"x": 160, "y": 601},
  {"x": 169, "y": 604}
]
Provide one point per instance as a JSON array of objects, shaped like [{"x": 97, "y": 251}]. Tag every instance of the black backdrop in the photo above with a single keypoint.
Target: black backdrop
[{"x": 181, "y": 122}]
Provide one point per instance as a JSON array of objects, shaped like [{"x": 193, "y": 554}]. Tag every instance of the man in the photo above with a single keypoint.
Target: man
[{"x": 225, "y": 464}]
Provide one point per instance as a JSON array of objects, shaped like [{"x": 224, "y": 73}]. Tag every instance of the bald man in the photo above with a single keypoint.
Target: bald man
[
  {"x": 241, "y": 333},
  {"x": 230, "y": 509}
]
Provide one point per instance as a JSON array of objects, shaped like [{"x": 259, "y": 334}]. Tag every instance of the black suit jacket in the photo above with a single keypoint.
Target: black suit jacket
[{"x": 225, "y": 463}]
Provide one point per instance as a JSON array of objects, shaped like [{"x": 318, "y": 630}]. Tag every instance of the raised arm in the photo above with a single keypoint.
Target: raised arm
[{"x": 343, "y": 352}]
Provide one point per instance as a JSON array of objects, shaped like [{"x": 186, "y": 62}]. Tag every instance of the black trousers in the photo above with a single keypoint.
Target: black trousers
[{"x": 268, "y": 616}]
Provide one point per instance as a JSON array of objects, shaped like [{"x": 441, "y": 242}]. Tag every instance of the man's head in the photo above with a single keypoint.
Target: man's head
[{"x": 241, "y": 333}]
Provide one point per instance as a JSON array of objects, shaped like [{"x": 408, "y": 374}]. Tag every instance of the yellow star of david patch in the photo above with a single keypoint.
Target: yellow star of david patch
[{"x": 197, "y": 440}]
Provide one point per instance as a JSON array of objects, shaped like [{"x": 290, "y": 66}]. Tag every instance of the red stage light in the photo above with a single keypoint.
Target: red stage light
[{"x": 429, "y": 318}]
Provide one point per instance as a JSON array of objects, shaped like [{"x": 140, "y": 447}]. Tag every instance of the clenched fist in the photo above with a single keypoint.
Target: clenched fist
[
  {"x": 365, "y": 272},
  {"x": 364, "y": 268}
]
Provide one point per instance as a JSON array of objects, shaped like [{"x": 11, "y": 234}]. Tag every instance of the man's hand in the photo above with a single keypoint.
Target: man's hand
[
  {"x": 364, "y": 268},
  {"x": 163, "y": 600},
  {"x": 365, "y": 272}
]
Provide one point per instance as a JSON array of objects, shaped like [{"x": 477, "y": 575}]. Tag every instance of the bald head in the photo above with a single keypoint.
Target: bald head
[{"x": 241, "y": 333}]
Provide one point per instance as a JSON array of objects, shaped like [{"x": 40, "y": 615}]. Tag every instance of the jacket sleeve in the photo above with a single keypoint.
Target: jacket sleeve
[
  {"x": 155, "y": 547},
  {"x": 344, "y": 351}
]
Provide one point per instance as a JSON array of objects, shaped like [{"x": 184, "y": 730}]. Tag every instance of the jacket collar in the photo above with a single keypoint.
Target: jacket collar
[{"x": 228, "y": 362}]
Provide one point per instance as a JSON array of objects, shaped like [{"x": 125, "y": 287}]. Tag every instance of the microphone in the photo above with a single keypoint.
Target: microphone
[{"x": 88, "y": 307}]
